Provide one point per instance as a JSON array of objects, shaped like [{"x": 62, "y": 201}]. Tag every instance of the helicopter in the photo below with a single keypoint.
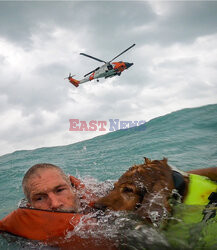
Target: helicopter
[{"x": 108, "y": 69}]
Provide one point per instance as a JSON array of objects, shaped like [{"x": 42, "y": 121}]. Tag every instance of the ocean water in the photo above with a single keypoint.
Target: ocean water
[{"x": 188, "y": 138}]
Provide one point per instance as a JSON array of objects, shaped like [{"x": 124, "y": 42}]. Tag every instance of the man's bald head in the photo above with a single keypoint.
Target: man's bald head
[{"x": 37, "y": 169}]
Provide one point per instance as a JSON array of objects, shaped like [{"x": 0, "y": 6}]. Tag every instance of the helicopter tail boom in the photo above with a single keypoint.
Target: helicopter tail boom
[{"x": 73, "y": 81}]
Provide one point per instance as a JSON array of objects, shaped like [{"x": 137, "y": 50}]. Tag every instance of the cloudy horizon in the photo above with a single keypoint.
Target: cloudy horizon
[{"x": 175, "y": 60}]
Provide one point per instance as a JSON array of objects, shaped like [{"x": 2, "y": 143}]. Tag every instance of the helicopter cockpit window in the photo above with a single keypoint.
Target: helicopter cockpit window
[{"x": 109, "y": 67}]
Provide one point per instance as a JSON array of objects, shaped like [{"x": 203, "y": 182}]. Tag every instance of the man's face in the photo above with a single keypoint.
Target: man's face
[{"x": 49, "y": 190}]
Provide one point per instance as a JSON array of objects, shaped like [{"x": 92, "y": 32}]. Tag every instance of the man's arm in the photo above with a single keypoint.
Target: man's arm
[{"x": 211, "y": 173}]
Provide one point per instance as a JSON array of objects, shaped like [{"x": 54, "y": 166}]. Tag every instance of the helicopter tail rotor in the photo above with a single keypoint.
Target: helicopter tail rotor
[
  {"x": 72, "y": 80},
  {"x": 70, "y": 76}
]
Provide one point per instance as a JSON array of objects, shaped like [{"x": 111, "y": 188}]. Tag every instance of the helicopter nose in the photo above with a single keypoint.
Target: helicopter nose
[{"x": 128, "y": 64}]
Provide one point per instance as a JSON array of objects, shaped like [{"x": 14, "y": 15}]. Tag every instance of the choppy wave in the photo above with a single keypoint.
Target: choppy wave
[{"x": 188, "y": 138}]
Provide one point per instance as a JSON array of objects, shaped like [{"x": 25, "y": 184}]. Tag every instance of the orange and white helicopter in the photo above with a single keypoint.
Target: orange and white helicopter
[{"x": 108, "y": 69}]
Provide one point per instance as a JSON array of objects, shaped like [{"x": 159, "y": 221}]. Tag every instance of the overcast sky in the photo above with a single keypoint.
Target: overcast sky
[{"x": 175, "y": 61}]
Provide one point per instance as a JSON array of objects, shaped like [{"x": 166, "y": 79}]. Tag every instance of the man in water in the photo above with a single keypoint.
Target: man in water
[{"x": 47, "y": 187}]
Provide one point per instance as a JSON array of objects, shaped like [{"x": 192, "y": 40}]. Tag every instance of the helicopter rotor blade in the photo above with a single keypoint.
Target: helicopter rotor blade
[
  {"x": 123, "y": 52},
  {"x": 91, "y": 72},
  {"x": 97, "y": 59}
]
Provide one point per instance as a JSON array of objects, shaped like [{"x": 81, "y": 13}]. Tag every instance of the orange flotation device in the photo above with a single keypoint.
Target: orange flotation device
[{"x": 51, "y": 227}]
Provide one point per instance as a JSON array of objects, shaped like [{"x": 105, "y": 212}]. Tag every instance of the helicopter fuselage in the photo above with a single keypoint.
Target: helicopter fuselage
[{"x": 107, "y": 70}]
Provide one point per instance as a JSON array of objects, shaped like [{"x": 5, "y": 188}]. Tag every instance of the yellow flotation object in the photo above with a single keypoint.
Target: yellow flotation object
[{"x": 199, "y": 189}]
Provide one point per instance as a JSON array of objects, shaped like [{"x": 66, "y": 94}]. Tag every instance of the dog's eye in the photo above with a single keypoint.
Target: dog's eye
[{"x": 127, "y": 190}]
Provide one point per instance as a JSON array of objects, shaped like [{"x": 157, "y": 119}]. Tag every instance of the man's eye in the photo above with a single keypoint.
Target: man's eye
[
  {"x": 60, "y": 190},
  {"x": 39, "y": 198}
]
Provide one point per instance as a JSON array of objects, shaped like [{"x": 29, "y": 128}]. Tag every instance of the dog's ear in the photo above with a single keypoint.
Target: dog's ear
[
  {"x": 147, "y": 160},
  {"x": 165, "y": 160},
  {"x": 155, "y": 205}
]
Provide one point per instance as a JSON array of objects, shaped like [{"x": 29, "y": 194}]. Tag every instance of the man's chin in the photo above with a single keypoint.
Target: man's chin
[{"x": 69, "y": 210}]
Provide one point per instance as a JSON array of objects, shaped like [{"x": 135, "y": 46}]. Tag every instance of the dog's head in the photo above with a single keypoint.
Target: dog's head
[{"x": 144, "y": 188}]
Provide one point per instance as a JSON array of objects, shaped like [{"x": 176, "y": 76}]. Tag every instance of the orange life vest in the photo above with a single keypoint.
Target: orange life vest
[{"x": 51, "y": 227}]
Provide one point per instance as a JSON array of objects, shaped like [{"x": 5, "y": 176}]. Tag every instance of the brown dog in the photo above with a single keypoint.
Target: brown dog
[{"x": 147, "y": 189}]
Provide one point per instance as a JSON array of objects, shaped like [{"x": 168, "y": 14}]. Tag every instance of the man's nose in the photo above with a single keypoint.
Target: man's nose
[{"x": 55, "y": 202}]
